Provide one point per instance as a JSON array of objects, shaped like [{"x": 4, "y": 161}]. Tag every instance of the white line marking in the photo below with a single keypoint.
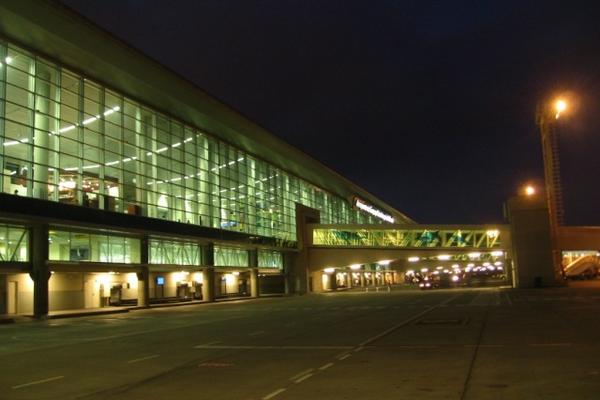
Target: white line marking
[
  {"x": 344, "y": 356},
  {"x": 305, "y": 377},
  {"x": 273, "y": 394},
  {"x": 551, "y": 344},
  {"x": 149, "y": 331},
  {"x": 54, "y": 378},
  {"x": 356, "y": 350},
  {"x": 484, "y": 345},
  {"x": 256, "y": 333},
  {"x": 324, "y": 367},
  {"x": 508, "y": 299},
  {"x": 273, "y": 347},
  {"x": 299, "y": 374},
  {"x": 143, "y": 358},
  {"x": 417, "y": 347},
  {"x": 210, "y": 343},
  {"x": 405, "y": 322}
]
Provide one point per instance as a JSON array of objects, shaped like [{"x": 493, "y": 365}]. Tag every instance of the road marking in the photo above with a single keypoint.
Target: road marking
[
  {"x": 54, "y": 378},
  {"x": 215, "y": 365},
  {"x": 256, "y": 333},
  {"x": 219, "y": 347},
  {"x": 403, "y": 323},
  {"x": 305, "y": 377},
  {"x": 550, "y": 344},
  {"x": 210, "y": 343},
  {"x": 299, "y": 374},
  {"x": 508, "y": 299},
  {"x": 416, "y": 347},
  {"x": 143, "y": 358},
  {"x": 273, "y": 394},
  {"x": 484, "y": 345},
  {"x": 150, "y": 331},
  {"x": 359, "y": 348},
  {"x": 344, "y": 357},
  {"x": 324, "y": 367}
]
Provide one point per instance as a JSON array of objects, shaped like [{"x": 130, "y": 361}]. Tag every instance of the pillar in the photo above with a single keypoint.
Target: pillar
[
  {"x": 362, "y": 279},
  {"x": 333, "y": 280},
  {"x": 40, "y": 272},
  {"x": 208, "y": 284},
  {"x": 349, "y": 276},
  {"x": 253, "y": 264},
  {"x": 208, "y": 273},
  {"x": 288, "y": 276},
  {"x": 143, "y": 292},
  {"x": 254, "y": 282},
  {"x": 143, "y": 276}
]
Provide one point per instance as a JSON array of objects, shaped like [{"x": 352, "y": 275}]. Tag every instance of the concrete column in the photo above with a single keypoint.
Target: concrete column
[
  {"x": 288, "y": 276},
  {"x": 349, "y": 277},
  {"x": 254, "y": 282},
  {"x": 208, "y": 284},
  {"x": 253, "y": 264},
  {"x": 143, "y": 292},
  {"x": 362, "y": 279},
  {"x": 209, "y": 254},
  {"x": 40, "y": 272},
  {"x": 333, "y": 281},
  {"x": 208, "y": 273},
  {"x": 143, "y": 276}
]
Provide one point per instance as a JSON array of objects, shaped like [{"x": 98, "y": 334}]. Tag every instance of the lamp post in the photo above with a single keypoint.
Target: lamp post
[{"x": 547, "y": 117}]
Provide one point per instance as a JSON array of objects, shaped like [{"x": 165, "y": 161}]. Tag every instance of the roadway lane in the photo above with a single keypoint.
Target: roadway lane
[{"x": 451, "y": 344}]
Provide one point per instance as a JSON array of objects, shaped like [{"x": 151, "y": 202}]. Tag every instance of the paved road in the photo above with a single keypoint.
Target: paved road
[{"x": 446, "y": 344}]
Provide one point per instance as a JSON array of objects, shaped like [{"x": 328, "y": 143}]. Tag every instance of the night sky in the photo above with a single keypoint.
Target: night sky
[{"x": 428, "y": 105}]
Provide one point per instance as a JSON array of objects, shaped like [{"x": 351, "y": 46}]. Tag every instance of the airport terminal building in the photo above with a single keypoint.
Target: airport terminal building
[{"x": 124, "y": 184}]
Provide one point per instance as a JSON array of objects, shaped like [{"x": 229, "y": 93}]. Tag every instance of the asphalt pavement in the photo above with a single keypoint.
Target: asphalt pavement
[{"x": 403, "y": 344}]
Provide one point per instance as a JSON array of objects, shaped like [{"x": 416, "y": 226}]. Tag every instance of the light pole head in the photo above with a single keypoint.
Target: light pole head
[
  {"x": 529, "y": 190},
  {"x": 560, "y": 105}
]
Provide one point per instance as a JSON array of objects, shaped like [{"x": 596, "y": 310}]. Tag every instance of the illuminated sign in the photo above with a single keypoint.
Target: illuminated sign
[{"x": 358, "y": 203}]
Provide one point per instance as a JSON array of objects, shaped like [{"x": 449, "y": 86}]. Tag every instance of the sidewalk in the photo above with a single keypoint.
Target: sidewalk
[{"x": 85, "y": 312}]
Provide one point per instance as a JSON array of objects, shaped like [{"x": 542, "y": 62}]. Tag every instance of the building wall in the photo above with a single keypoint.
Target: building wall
[{"x": 66, "y": 291}]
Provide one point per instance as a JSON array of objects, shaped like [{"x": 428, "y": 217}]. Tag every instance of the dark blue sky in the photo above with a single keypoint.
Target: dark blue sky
[{"x": 428, "y": 105}]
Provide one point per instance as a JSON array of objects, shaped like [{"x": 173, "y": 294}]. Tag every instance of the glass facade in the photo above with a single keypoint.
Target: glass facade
[
  {"x": 270, "y": 259},
  {"x": 231, "y": 257},
  {"x": 14, "y": 243},
  {"x": 443, "y": 238},
  {"x": 68, "y": 139},
  {"x": 174, "y": 253},
  {"x": 80, "y": 246}
]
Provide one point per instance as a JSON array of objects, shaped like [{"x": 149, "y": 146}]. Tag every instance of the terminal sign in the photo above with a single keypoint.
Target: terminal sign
[{"x": 358, "y": 203}]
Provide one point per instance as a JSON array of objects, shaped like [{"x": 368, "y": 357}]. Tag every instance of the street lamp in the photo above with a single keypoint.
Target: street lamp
[{"x": 546, "y": 117}]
